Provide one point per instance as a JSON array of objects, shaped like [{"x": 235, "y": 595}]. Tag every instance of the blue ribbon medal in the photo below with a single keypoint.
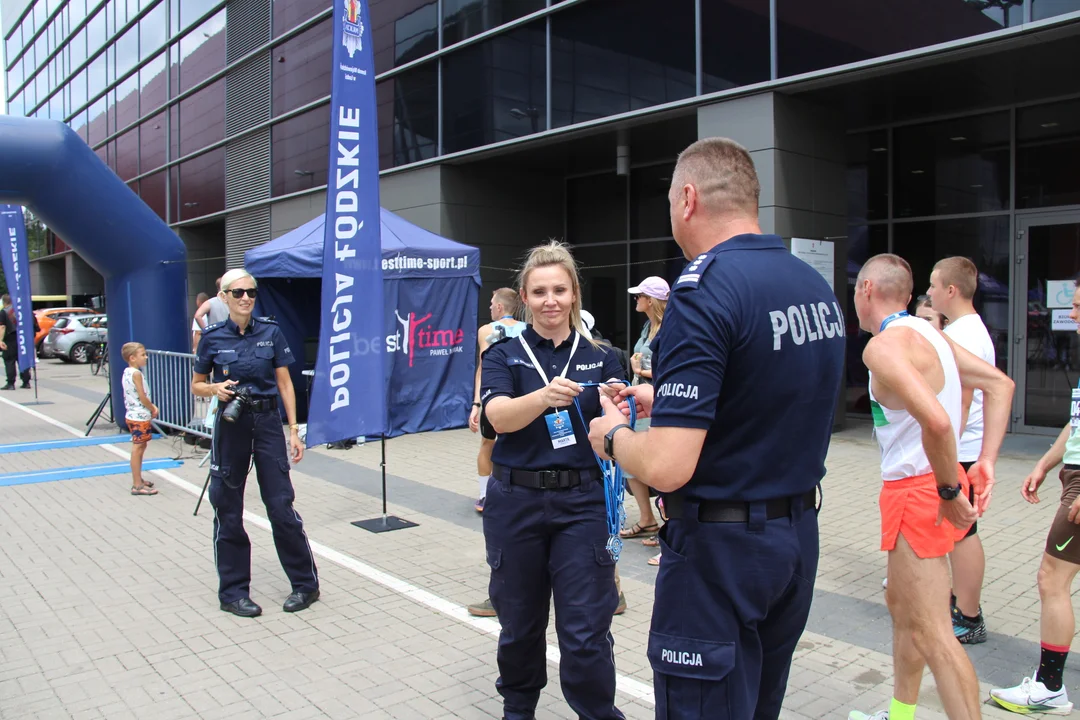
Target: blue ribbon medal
[{"x": 614, "y": 483}]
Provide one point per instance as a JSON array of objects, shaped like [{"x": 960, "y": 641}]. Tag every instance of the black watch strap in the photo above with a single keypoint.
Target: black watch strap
[
  {"x": 609, "y": 439},
  {"x": 950, "y": 493}
]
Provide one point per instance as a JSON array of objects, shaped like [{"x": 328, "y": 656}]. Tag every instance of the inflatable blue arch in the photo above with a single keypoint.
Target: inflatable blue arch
[{"x": 46, "y": 167}]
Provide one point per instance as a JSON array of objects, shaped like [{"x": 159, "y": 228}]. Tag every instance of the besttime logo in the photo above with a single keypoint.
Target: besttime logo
[{"x": 418, "y": 336}]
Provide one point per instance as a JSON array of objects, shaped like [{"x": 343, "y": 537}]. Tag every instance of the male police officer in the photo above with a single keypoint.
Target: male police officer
[{"x": 747, "y": 373}]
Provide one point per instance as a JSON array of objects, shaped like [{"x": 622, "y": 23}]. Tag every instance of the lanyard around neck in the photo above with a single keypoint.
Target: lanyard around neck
[
  {"x": 894, "y": 316},
  {"x": 536, "y": 363}
]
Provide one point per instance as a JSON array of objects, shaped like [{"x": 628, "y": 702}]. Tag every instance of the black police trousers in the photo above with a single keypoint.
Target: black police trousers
[
  {"x": 10, "y": 367},
  {"x": 732, "y": 601},
  {"x": 258, "y": 434},
  {"x": 540, "y": 543}
]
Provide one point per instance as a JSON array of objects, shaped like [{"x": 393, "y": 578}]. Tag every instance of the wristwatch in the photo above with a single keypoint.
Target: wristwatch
[
  {"x": 609, "y": 440},
  {"x": 949, "y": 493}
]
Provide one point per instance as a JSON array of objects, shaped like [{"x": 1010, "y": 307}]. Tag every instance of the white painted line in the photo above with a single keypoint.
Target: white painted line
[{"x": 634, "y": 688}]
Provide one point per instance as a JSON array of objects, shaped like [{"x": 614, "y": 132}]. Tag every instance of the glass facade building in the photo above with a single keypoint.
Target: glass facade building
[{"x": 943, "y": 130}]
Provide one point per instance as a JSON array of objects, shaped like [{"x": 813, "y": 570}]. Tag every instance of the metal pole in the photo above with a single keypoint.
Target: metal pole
[{"x": 382, "y": 464}]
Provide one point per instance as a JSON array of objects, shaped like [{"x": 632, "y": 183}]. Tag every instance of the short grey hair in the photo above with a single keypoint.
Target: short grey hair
[{"x": 723, "y": 173}]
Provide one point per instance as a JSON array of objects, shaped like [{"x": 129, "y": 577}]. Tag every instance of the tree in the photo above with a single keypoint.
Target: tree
[{"x": 36, "y": 236}]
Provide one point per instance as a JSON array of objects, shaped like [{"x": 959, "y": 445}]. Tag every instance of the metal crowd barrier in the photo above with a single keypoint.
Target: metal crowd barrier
[{"x": 169, "y": 377}]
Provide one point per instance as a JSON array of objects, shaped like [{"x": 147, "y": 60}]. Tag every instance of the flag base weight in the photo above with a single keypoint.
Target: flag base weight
[{"x": 385, "y": 523}]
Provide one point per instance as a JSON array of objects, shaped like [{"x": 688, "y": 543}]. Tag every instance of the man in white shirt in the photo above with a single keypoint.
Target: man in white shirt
[{"x": 952, "y": 287}]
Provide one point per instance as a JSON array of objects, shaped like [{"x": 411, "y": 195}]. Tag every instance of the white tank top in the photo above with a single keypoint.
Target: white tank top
[{"x": 898, "y": 433}]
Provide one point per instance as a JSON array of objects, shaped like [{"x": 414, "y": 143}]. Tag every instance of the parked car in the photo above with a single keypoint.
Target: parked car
[
  {"x": 47, "y": 318},
  {"x": 73, "y": 338}
]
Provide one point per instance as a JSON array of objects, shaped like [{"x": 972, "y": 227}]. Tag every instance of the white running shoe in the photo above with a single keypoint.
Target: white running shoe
[
  {"x": 879, "y": 715},
  {"x": 1032, "y": 696}
]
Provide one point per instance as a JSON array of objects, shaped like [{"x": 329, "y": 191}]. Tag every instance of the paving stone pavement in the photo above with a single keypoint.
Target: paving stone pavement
[{"x": 108, "y": 602}]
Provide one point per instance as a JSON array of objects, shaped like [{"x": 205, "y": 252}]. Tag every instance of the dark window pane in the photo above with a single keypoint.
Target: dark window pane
[
  {"x": 127, "y": 154},
  {"x": 202, "y": 185},
  {"x": 495, "y": 90},
  {"x": 955, "y": 166},
  {"x": 986, "y": 242},
  {"x": 290, "y": 13},
  {"x": 407, "y": 107},
  {"x": 174, "y": 194},
  {"x": 1042, "y": 9},
  {"x": 301, "y": 69},
  {"x": 1048, "y": 155},
  {"x": 650, "y": 210},
  {"x": 152, "y": 143},
  {"x": 152, "y": 192},
  {"x": 595, "y": 209},
  {"x": 825, "y": 33},
  {"x": 868, "y": 176},
  {"x": 606, "y": 58},
  {"x": 864, "y": 242},
  {"x": 202, "y": 118},
  {"x": 464, "y": 18},
  {"x": 734, "y": 43},
  {"x": 301, "y": 149},
  {"x": 202, "y": 52},
  {"x": 404, "y": 30}
]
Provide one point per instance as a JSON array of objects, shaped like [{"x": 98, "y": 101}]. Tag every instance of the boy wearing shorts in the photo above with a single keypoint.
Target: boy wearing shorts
[{"x": 138, "y": 413}]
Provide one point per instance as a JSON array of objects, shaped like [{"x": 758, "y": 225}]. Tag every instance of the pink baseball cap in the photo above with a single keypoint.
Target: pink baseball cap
[{"x": 653, "y": 286}]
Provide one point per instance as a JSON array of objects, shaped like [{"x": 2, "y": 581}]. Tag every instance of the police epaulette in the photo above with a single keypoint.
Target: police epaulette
[
  {"x": 500, "y": 341},
  {"x": 215, "y": 326},
  {"x": 691, "y": 274},
  {"x": 268, "y": 319}
]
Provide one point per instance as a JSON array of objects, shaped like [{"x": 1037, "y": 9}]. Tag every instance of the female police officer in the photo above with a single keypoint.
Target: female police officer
[
  {"x": 249, "y": 359},
  {"x": 544, "y": 518}
]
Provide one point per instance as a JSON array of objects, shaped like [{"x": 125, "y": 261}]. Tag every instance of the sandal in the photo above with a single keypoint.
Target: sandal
[
  {"x": 148, "y": 483},
  {"x": 638, "y": 530},
  {"x": 651, "y": 542},
  {"x": 143, "y": 490},
  {"x": 655, "y": 559}
]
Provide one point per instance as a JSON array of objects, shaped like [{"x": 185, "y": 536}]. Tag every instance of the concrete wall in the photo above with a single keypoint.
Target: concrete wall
[
  {"x": 48, "y": 277},
  {"x": 290, "y": 214},
  {"x": 81, "y": 278},
  {"x": 799, "y": 152},
  {"x": 493, "y": 207}
]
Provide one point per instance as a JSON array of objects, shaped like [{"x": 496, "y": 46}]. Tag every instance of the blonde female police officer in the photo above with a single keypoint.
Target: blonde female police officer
[
  {"x": 247, "y": 353},
  {"x": 544, "y": 518}
]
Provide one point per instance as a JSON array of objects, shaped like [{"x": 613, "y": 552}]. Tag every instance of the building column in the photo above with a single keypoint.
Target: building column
[{"x": 799, "y": 151}]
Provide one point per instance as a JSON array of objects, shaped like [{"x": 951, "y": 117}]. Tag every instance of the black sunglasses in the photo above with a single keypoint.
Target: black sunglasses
[{"x": 239, "y": 292}]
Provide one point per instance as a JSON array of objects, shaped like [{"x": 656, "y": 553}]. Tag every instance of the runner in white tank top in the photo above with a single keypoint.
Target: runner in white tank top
[
  {"x": 898, "y": 433},
  {"x": 917, "y": 381}
]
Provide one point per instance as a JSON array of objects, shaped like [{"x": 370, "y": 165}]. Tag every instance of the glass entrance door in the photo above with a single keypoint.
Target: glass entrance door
[{"x": 1047, "y": 261}]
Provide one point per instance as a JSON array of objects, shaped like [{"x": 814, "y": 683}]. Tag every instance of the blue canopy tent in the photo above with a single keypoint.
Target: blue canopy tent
[{"x": 430, "y": 287}]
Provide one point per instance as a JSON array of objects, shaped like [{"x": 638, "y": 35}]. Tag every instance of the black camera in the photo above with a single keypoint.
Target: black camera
[{"x": 235, "y": 407}]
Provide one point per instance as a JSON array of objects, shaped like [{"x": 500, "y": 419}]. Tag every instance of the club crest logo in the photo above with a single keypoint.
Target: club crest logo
[{"x": 352, "y": 36}]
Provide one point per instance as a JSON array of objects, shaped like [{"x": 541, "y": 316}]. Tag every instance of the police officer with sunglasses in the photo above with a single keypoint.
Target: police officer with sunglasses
[{"x": 248, "y": 358}]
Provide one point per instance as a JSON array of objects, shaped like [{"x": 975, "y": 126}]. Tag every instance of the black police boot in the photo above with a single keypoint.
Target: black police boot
[
  {"x": 243, "y": 607},
  {"x": 298, "y": 601}
]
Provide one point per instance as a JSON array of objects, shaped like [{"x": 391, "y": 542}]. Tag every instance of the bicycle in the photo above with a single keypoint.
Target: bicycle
[{"x": 100, "y": 361}]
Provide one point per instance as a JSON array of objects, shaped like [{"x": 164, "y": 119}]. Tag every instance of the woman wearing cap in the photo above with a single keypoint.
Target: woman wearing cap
[{"x": 651, "y": 294}]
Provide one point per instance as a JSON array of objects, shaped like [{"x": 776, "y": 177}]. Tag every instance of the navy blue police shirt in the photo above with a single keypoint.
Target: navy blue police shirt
[
  {"x": 751, "y": 350},
  {"x": 249, "y": 358},
  {"x": 508, "y": 372}
]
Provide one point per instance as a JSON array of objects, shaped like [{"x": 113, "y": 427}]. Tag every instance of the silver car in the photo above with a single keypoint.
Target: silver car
[{"x": 75, "y": 338}]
